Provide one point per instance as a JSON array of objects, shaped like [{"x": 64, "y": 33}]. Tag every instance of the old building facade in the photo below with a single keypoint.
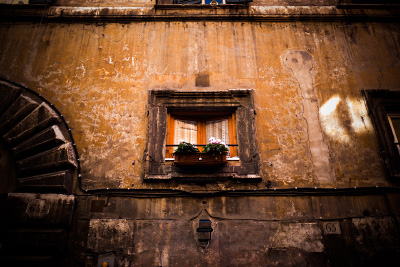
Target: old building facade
[{"x": 94, "y": 96}]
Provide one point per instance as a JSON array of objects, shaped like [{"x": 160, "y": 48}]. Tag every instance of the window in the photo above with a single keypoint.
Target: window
[
  {"x": 198, "y": 127},
  {"x": 195, "y": 116},
  {"x": 384, "y": 110}
]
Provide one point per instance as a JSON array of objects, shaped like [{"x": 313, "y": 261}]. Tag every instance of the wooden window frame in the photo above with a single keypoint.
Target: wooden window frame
[
  {"x": 237, "y": 103},
  {"x": 382, "y": 104},
  {"x": 201, "y": 118},
  {"x": 396, "y": 134}
]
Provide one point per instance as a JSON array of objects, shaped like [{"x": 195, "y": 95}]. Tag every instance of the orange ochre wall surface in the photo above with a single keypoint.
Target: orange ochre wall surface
[{"x": 99, "y": 76}]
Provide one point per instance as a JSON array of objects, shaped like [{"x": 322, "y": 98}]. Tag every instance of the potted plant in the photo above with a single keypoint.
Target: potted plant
[
  {"x": 186, "y": 154},
  {"x": 215, "y": 146},
  {"x": 186, "y": 147},
  {"x": 214, "y": 153}
]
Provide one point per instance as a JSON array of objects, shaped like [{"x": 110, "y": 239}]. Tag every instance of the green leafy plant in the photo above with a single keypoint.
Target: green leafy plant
[
  {"x": 186, "y": 147},
  {"x": 215, "y": 146}
]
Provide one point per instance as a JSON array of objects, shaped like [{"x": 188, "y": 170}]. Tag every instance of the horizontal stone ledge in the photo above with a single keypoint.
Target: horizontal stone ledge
[
  {"x": 203, "y": 177},
  {"x": 193, "y": 13},
  {"x": 157, "y": 177},
  {"x": 261, "y": 192},
  {"x": 242, "y": 208},
  {"x": 248, "y": 177}
]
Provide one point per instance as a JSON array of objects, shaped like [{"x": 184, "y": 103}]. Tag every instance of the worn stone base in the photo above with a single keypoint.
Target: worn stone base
[{"x": 286, "y": 231}]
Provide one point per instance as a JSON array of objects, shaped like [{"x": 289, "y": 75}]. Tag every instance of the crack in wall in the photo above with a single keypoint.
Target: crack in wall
[{"x": 300, "y": 63}]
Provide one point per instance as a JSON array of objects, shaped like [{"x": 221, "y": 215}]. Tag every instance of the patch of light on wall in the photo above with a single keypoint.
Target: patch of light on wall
[
  {"x": 359, "y": 119},
  {"x": 332, "y": 127},
  {"x": 330, "y": 120},
  {"x": 329, "y": 106}
]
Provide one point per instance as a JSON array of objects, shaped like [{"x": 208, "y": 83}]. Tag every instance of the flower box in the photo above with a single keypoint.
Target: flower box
[{"x": 199, "y": 159}]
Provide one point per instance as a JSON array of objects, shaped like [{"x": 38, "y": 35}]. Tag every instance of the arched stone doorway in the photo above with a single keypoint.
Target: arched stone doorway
[
  {"x": 38, "y": 167},
  {"x": 36, "y": 140}
]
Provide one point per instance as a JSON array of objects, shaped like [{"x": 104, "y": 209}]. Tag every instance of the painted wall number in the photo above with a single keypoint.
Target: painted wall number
[
  {"x": 38, "y": 208},
  {"x": 332, "y": 228}
]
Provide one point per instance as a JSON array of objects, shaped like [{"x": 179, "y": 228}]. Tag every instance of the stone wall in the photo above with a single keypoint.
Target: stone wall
[
  {"x": 248, "y": 230},
  {"x": 322, "y": 198}
]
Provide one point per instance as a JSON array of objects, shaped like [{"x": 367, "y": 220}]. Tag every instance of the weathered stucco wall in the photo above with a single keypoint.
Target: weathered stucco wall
[
  {"x": 273, "y": 243},
  {"x": 98, "y": 76},
  {"x": 273, "y": 231},
  {"x": 149, "y": 3},
  {"x": 306, "y": 67}
]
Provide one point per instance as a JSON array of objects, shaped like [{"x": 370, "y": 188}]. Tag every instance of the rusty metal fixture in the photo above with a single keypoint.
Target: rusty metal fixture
[{"x": 204, "y": 230}]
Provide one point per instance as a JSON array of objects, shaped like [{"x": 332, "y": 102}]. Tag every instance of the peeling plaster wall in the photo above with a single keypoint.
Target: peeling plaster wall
[
  {"x": 151, "y": 3},
  {"x": 300, "y": 62},
  {"x": 101, "y": 79},
  {"x": 257, "y": 231},
  {"x": 172, "y": 243},
  {"x": 312, "y": 130}
]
